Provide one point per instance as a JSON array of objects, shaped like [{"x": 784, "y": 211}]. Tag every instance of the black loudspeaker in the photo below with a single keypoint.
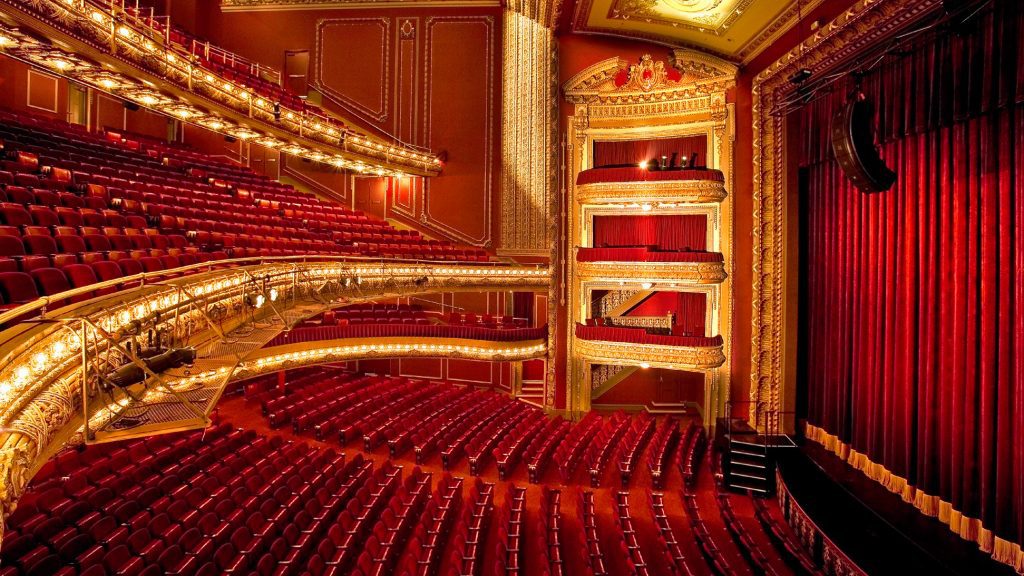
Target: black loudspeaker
[
  {"x": 130, "y": 106},
  {"x": 853, "y": 141}
]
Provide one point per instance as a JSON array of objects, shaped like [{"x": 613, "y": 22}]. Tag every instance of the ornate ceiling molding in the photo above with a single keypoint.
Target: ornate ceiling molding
[
  {"x": 695, "y": 81},
  {"x": 287, "y": 5},
  {"x": 864, "y": 24},
  {"x": 737, "y": 30}
]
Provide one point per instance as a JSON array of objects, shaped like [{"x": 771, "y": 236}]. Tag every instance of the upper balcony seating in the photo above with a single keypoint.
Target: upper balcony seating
[
  {"x": 641, "y": 336},
  {"x": 644, "y": 254},
  {"x": 71, "y": 196},
  {"x": 637, "y": 174}
]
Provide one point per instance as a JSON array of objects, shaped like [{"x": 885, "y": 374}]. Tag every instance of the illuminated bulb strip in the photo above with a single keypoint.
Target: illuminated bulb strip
[{"x": 359, "y": 350}]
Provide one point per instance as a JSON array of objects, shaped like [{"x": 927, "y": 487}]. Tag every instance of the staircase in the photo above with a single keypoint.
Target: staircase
[
  {"x": 532, "y": 393},
  {"x": 749, "y": 457}
]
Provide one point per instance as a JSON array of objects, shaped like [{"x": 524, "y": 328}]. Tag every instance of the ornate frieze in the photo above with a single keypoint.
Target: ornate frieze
[{"x": 694, "y": 358}]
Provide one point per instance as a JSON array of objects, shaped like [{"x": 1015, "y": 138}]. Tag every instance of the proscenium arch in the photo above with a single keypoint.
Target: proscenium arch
[{"x": 45, "y": 364}]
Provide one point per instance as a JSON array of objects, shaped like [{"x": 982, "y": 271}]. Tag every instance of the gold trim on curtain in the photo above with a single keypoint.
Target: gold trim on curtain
[{"x": 966, "y": 527}]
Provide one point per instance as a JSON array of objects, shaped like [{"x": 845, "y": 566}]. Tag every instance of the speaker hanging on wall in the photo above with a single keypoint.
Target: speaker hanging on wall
[{"x": 853, "y": 141}]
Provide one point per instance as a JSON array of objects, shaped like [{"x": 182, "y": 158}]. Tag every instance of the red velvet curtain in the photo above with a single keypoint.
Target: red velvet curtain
[
  {"x": 634, "y": 151},
  {"x": 666, "y": 231},
  {"x": 915, "y": 310}
]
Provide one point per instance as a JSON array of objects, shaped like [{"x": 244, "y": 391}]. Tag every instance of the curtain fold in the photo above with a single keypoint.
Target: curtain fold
[
  {"x": 632, "y": 152},
  {"x": 682, "y": 232},
  {"x": 915, "y": 303}
]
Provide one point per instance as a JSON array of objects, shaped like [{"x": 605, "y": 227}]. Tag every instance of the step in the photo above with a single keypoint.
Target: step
[
  {"x": 760, "y": 455},
  {"x": 744, "y": 443},
  {"x": 748, "y": 476},
  {"x": 747, "y": 464},
  {"x": 741, "y": 486}
]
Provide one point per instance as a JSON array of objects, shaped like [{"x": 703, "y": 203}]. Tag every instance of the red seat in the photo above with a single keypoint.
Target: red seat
[
  {"x": 50, "y": 281},
  {"x": 80, "y": 275},
  {"x": 15, "y": 215},
  {"x": 17, "y": 288}
]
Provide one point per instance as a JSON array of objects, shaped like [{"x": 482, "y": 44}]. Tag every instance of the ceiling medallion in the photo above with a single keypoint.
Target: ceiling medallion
[{"x": 706, "y": 16}]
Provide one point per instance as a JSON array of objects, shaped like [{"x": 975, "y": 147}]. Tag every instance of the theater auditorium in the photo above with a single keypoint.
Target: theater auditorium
[{"x": 511, "y": 287}]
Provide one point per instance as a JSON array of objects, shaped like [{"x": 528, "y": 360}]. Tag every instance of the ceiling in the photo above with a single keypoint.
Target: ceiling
[{"x": 735, "y": 29}]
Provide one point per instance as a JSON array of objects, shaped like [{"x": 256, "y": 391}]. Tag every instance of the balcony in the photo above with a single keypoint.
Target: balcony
[
  {"x": 636, "y": 346},
  {"x": 641, "y": 264},
  {"x": 632, "y": 184}
]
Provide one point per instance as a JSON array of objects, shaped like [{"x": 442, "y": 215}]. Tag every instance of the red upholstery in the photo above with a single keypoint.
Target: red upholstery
[
  {"x": 637, "y": 174},
  {"x": 643, "y": 254}
]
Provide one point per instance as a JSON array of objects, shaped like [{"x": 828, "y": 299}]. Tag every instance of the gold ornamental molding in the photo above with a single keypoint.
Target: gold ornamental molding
[
  {"x": 108, "y": 48},
  {"x": 652, "y": 193},
  {"x": 690, "y": 358},
  {"x": 291, "y": 5},
  {"x": 619, "y": 100},
  {"x": 299, "y": 354},
  {"x": 56, "y": 386},
  {"x": 866, "y": 23},
  {"x": 680, "y": 273}
]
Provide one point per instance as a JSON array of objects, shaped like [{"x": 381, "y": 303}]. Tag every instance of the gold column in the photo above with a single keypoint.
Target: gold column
[{"x": 529, "y": 130}]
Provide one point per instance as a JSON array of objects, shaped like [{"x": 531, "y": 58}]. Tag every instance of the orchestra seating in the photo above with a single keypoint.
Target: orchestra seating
[
  {"x": 232, "y": 501},
  {"x": 99, "y": 206}
]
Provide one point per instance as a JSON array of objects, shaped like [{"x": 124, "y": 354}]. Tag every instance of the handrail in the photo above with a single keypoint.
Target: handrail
[{"x": 43, "y": 302}]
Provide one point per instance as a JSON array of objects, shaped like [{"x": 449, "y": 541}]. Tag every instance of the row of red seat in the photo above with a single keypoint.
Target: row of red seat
[
  {"x": 509, "y": 548},
  {"x": 17, "y": 288},
  {"x": 569, "y": 453},
  {"x": 482, "y": 447},
  {"x": 626, "y": 537},
  {"x": 97, "y": 176},
  {"x": 511, "y": 449},
  {"x": 549, "y": 533},
  {"x": 594, "y": 558},
  {"x": 633, "y": 444},
  {"x": 750, "y": 549},
  {"x": 783, "y": 539},
  {"x": 604, "y": 443},
  {"x": 667, "y": 542},
  {"x": 707, "y": 540},
  {"x": 662, "y": 445},
  {"x": 691, "y": 452},
  {"x": 642, "y": 336},
  {"x": 423, "y": 555},
  {"x": 467, "y": 554}
]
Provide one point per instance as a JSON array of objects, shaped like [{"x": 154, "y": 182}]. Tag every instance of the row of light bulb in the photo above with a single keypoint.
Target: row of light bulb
[
  {"x": 304, "y": 355},
  {"x": 317, "y": 123}
]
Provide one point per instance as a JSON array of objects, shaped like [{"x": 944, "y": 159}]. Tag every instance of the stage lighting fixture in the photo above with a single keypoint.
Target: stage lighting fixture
[
  {"x": 800, "y": 76},
  {"x": 132, "y": 373}
]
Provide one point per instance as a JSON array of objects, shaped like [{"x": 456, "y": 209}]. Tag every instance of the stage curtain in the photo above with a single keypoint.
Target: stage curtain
[
  {"x": 914, "y": 316},
  {"x": 664, "y": 231},
  {"x": 617, "y": 153}
]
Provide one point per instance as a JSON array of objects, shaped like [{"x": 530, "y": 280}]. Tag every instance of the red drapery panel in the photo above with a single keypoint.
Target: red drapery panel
[
  {"x": 635, "y": 151},
  {"x": 686, "y": 307},
  {"x": 915, "y": 310},
  {"x": 663, "y": 231}
]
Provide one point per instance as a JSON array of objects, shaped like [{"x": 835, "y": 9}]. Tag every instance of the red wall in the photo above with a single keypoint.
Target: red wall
[
  {"x": 429, "y": 77},
  {"x": 657, "y": 385},
  {"x": 48, "y": 96}
]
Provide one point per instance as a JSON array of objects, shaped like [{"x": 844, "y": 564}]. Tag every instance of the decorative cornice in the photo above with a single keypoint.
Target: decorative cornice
[{"x": 702, "y": 86}]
